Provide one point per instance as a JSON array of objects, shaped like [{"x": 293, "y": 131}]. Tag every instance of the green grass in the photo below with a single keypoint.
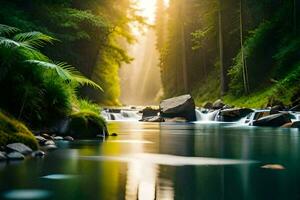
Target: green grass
[
  {"x": 12, "y": 131},
  {"x": 208, "y": 90}
]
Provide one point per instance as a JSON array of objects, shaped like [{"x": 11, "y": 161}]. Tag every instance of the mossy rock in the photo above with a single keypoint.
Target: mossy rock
[
  {"x": 86, "y": 124},
  {"x": 13, "y": 131}
]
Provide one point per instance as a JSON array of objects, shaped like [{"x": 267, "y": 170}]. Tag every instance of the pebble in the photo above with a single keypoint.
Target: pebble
[
  {"x": 49, "y": 142},
  {"x": 15, "y": 156},
  {"x": 2, "y": 156},
  {"x": 114, "y": 134},
  {"x": 69, "y": 138},
  {"x": 50, "y": 147},
  {"x": 38, "y": 153},
  {"x": 273, "y": 167},
  {"x": 58, "y": 138},
  {"x": 46, "y": 136},
  {"x": 19, "y": 147}
]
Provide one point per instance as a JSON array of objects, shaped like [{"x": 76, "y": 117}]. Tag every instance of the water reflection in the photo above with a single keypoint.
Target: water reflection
[{"x": 167, "y": 161}]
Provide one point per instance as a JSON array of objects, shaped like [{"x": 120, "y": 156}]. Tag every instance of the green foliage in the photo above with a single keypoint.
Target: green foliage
[
  {"x": 37, "y": 89},
  {"x": 282, "y": 91},
  {"x": 12, "y": 131},
  {"x": 66, "y": 72},
  {"x": 89, "y": 33},
  {"x": 87, "y": 105}
]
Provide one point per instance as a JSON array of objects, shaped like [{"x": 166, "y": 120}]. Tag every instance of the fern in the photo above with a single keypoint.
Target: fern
[
  {"x": 6, "y": 30},
  {"x": 66, "y": 72}
]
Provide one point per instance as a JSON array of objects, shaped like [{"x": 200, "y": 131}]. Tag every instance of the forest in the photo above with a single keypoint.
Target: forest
[
  {"x": 244, "y": 51},
  {"x": 149, "y": 99},
  {"x": 58, "y": 59}
]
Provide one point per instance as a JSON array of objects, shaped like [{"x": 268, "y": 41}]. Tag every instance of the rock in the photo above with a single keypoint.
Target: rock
[
  {"x": 38, "y": 153},
  {"x": 182, "y": 106},
  {"x": 295, "y": 124},
  {"x": 149, "y": 112},
  {"x": 50, "y": 147},
  {"x": 295, "y": 108},
  {"x": 153, "y": 119},
  {"x": 40, "y": 139},
  {"x": 273, "y": 166},
  {"x": 176, "y": 119},
  {"x": 15, "y": 156},
  {"x": 276, "y": 109},
  {"x": 19, "y": 147},
  {"x": 207, "y": 105},
  {"x": 230, "y": 115},
  {"x": 227, "y": 107},
  {"x": 58, "y": 138},
  {"x": 49, "y": 142},
  {"x": 69, "y": 138},
  {"x": 46, "y": 136},
  {"x": 275, "y": 120},
  {"x": 114, "y": 134},
  {"x": 2, "y": 156},
  {"x": 219, "y": 104}
]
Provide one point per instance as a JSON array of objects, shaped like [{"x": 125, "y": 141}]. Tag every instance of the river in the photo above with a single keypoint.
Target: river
[{"x": 163, "y": 161}]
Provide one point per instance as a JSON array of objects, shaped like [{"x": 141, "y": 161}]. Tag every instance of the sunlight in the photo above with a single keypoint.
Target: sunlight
[{"x": 148, "y": 9}]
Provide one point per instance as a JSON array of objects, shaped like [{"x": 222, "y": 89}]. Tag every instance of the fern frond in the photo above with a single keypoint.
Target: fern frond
[
  {"x": 66, "y": 72},
  {"x": 6, "y": 30},
  {"x": 34, "y": 39}
]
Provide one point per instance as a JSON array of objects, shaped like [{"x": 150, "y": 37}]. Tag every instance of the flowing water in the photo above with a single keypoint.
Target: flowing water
[{"x": 163, "y": 161}]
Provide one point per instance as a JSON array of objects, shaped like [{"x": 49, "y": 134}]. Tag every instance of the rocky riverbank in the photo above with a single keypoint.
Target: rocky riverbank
[{"x": 183, "y": 108}]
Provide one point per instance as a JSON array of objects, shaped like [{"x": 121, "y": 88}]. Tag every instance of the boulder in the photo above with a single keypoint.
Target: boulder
[
  {"x": 295, "y": 124},
  {"x": 149, "y": 112},
  {"x": 207, "y": 105},
  {"x": 295, "y": 108},
  {"x": 230, "y": 115},
  {"x": 276, "y": 109},
  {"x": 182, "y": 106},
  {"x": 176, "y": 119},
  {"x": 19, "y": 147},
  {"x": 15, "y": 156},
  {"x": 153, "y": 119},
  {"x": 219, "y": 104},
  {"x": 2, "y": 156},
  {"x": 275, "y": 120}
]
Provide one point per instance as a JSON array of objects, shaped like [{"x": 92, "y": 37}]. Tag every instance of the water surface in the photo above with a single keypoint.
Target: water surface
[{"x": 164, "y": 161}]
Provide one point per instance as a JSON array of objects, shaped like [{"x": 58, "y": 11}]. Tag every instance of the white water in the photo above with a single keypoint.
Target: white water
[
  {"x": 207, "y": 117},
  {"x": 202, "y": 116},
  {"x": 123, "y": 115}
]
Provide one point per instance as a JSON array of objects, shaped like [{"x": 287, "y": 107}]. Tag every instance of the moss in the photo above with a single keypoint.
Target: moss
[
  {"x": 12, "y": 131},
  {"x": 86, "y": 124}
]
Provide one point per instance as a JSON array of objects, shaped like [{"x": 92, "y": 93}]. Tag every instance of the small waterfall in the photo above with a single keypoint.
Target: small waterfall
[
  {"x": 296, "y": 116},
  {"x": 206, "y": 115},
  {"x": 121, "y": 115}
]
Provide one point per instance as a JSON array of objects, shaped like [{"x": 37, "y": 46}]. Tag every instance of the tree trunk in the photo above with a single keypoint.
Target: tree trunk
[
  {"x": 295, "y": 16},
  {"x": 245, "y": 71},
  {"x": 183, "y": 46},
  {"x": 221, "y": 52}
]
